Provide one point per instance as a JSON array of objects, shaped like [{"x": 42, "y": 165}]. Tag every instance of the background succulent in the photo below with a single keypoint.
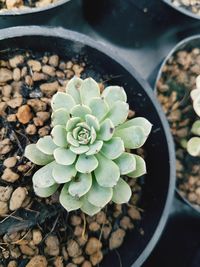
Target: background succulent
[
  {"x": 193, "y": 145},
  {"x": 88, "y": 147}
]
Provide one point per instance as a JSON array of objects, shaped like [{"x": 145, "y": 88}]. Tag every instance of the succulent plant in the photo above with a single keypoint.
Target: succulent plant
[
  {"x": 193, "y": 145},
  {"x": 88, "y": 149}
]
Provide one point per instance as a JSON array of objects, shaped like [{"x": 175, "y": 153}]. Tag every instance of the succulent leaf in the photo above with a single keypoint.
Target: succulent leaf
[
  {"x": 80, "y": 111},
  {"x": 107, "y": 173},
  {"x": 73, "y": 87},
  {"x": 106, "y": 130},
  {"x": 133, "y": 137},
  {"x": 193, "y": 146},
  {"x": 121, "y": 192},
  {"x": 88, "y": 90},
  {"x": 62, "y": 100},
  {"x": 69, "y": 202},
  {"x": 79, "y": 150},
  {"x": 99, "y": 196},
  {"x": 36, "y": 156},
  {"x": 72, "y": 123},
  {"x": 92, "y": 121},
  {"x": 60, "y": 117},
  {"x": 71, "y": 140},
  {"x": 99, "y": 108},
  {"x": 114, "y": 148},
  {"x": 139, "y": 121},
  {"x": 118, "y": 113},
  {"x": 45, "y": 191},
  {"x": 126, "y": 163},
  {"x": 81, "y": 185},
  {"x": 43, "y": 177},
  {"x": 140, "y": 168},
  {"x": 86, "y": 164},
  {"x": 95, "y": 148},
  {"x": 113, "y": 94},
  {"x": 88, "y": 208},
  {"x": 196, "y": 128},
  {"x": 64, "y": 156},
  {"x": 63, "y": 174},
  {"x": 59, "y": 136},
  {"x": 46, "y": 145}
]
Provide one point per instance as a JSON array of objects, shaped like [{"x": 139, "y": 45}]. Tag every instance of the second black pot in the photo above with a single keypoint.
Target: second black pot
[
  {"x": 102, "y": 63},
  {"x": 187, "y": 44}
]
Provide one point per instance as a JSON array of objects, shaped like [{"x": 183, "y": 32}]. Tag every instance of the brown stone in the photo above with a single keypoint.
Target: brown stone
[
  {"x": 17, "y": 198},
  {"x": 73, "y": 248},
  {"x": 34, "y": 65},
  {"x": 43, "y": 115},
  {"x": 31, "y": 129},
  {"x": 134, "y": 213},
  {"x": 39, "y": 76},
  {"x": 5, "y": 193},
  {"x": 15, "y": 102},
  {"x": 16, "y": 60},
  {"x": 37, "y": 105},
  {"x": 86, "y": 264},
  {"x": 3, "y": 106},
  {"x": 49, "y": 88},
  {"x": 54, "y": 60},
  {"x": 16, "y": 74},
  {"x": 116, "y": 239},
  {"x": 6, "y": 90},
  {"x": 78, "y": 260},
  {"x": 52, "y": 245},
  {"x": 49, "y": 70},
  {"x": 37, "y": 261},
  {"x": 37, "y": 236},
  {"x": 12, "y": 264},
  {"x": 44, "y": 131},
  {"x": 5, "y": 74},
  {"x": 93, "y": 245},
  {"x": 10, "y": 162},
  {"x": 9, "y": 176},
  {"x": 96, "y": 258},
  {"x": 24, "y": 114},
  {"x": 26, "y": 250},
  {"x": 3, "y": 208}
]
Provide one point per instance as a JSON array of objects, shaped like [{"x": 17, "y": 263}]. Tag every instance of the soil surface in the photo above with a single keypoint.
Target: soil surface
[
  {"x": 22, "y": 4},
  {"x": 177, "y": 80},
  {"x": 37, "y": 232},
  {"x": 191, "y": 5}
]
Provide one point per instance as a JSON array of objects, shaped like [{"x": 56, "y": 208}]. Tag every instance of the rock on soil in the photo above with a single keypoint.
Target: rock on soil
[
  {"x": 37, "y": 261},
  {"x": 93, "y": 246},
  {"x": 9, "y": 176},
  {"x": 52, "y": 245},
  {"x": 3, "y": 208},
  {"x": 24, "y": 114},
  {"x": 5, "y": 193},
  {"x": 116, "y": 239},
  {"x": 17, "y": 198}
]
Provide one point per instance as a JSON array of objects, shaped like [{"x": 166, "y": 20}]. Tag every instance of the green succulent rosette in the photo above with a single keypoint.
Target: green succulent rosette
[
  {"x": 86, "y": 151},
  {"x": 193, "y": 145}
]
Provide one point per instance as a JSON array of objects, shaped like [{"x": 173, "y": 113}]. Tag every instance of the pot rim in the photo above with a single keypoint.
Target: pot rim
[
  {"x": 32, "y": 10},
  {"x": 182, "y": 10},
  {"x": 176, "y": 48},
  {"x": 59, "y": 32}
]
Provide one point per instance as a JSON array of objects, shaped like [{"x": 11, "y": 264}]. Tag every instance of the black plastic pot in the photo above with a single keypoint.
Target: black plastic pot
[
  {"x": 159, "y": 184},
  {"x": 36, "y": 15},
  {"x": 186, "y": 44},
  {"x": 183, "y": 10}
]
